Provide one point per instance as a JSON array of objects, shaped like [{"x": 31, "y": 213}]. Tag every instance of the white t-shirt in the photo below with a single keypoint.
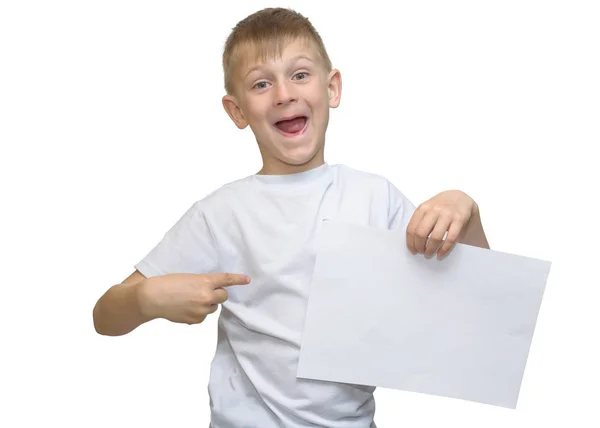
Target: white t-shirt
[{"x": 266, "y": 226}]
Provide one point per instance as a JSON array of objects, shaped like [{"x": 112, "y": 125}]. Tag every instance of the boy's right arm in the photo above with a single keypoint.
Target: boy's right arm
[
  {"x": 183, "y": 298},
  {"x": 119, "y": 310}
]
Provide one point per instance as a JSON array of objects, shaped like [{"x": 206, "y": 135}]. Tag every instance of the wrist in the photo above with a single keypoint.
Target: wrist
[{"x": 144, "y": 301}]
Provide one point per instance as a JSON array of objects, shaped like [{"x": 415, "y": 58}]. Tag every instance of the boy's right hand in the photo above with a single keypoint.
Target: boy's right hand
[{"x": 186, "y": 298}]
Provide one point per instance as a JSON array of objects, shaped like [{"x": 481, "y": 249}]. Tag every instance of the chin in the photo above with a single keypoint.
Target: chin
[
  {"x": 300, "y": 155},
  {"x": 296, "y": 151}
]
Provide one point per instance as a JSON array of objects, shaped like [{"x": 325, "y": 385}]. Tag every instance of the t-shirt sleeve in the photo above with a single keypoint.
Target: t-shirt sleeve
[
  {"x": 187, "y": 247},
  {"x": 401, "y": 209}
]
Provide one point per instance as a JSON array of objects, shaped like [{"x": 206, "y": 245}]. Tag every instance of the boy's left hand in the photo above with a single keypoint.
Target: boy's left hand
[{"x": 449, "y": 211}]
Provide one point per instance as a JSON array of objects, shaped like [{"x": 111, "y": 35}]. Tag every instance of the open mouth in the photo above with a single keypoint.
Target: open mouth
[{"x": 292, "y": 127}]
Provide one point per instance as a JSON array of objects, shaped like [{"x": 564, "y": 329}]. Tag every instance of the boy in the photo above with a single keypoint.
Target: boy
[{"x": 279, "y": 81}]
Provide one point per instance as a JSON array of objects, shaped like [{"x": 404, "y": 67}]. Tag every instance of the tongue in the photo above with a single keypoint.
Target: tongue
[{"x": 292, "y": 126}]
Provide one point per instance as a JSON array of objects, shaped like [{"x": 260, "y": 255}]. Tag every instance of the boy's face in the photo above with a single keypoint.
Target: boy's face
[{"x": 286, "y": 103}]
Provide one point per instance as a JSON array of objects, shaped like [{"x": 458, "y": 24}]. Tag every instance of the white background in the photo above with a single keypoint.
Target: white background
[{"x": 111, "y": 126}]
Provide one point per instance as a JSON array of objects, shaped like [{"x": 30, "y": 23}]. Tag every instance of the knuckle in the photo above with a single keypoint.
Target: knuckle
[
  {"x": 460, "y": 217},
  {"x": 448, "y": 213},
  {"x": 201, "y": 313},
  {"x": 421, "y": 233},
  {"x": 195, "y": 318},
  {"x": 204, "y": 295}
]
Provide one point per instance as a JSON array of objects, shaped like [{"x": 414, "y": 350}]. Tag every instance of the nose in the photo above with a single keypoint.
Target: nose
[{"x": 284, "y": 94}]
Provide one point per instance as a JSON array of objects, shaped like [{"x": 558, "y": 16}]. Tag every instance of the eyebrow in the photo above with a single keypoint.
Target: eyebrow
[{"x": 292, "y": 60}]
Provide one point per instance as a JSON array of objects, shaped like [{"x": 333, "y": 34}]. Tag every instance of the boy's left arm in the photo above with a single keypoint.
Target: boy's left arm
[{"x": 452, "y": 211}]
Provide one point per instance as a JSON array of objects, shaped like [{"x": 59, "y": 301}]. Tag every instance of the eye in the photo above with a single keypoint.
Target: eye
[
  {"x": 301, "y": 76},
  {"x": 260, "y": 85}
]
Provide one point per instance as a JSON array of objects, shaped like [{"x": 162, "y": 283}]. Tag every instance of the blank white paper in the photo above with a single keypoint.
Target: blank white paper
[{"x": 378, "y": 315}]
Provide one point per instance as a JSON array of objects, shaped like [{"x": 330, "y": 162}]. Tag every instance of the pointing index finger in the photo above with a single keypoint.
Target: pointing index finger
[{"x": 220, "y": 280}]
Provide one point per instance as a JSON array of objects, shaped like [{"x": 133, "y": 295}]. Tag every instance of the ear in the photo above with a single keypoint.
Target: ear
[
  {"x": 232, "y": 107},
  {"x": 334, "y": 88}
]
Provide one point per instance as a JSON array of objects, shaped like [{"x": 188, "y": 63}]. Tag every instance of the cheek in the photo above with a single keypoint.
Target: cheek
[
  {"x": 254, "y": 110},
  {"x": 320, "y": 110},
  {"x": 257, "y": 122},
  {"x": 321, "y": 103}
]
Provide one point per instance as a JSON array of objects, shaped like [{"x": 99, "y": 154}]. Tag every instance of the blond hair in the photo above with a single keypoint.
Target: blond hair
[{"x": 264, "y": 35}]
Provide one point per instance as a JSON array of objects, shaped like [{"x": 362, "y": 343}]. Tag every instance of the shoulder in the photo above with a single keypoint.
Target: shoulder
[
  {"x": 345, "y": 172},
  {"x": 376, "y": 184},
  {"x": 363, "y": 179},
  {"x": 220, "y": 202}
]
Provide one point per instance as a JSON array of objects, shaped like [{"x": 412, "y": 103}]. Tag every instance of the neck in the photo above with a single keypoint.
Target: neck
[{"x": 279, "y": 167}]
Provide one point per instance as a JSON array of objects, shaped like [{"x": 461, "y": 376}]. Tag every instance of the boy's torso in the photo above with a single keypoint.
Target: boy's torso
[{"x": 272, "y": 236}]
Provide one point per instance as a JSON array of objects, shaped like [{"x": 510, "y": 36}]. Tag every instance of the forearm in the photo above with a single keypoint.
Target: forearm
[
  {"x": 119, "y": 311},
  {"x": 473, "y": 233}
]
